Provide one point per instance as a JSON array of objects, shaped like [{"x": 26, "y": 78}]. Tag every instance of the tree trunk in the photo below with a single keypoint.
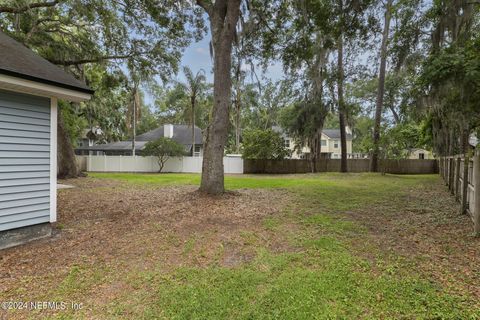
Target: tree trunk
[
  {"x": 161, "y": 164},
  {"x": 381, "y": 89},
  {"x": 238, "y": 107},
  {"x": 223, "y": 16},
  {"x": 67, "y": 164},
  {"x": 466, "y": 164},
  {"x": 341, "y": 102},
  {"x": 134, "y": 123},
  {"x": 316, "y": 148},
  {"x": 193, "y": 126}
]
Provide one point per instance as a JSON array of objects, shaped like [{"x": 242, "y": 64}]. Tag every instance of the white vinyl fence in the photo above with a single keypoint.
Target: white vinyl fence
[{"x": 150, "y": 164}]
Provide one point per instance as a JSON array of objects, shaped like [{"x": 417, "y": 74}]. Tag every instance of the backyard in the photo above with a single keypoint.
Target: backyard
[{"x": 148, "y": 246}]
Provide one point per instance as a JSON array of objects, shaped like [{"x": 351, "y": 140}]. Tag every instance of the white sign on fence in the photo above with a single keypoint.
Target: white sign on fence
[{"x": 150, "y": 164}]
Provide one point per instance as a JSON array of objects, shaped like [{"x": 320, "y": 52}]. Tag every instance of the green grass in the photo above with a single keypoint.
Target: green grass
[
  {"x": 324, "y": 278},
  {"x": 267, "y": 181}
]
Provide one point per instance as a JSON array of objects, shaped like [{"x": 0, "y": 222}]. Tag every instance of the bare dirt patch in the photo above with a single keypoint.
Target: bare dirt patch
[{"x": 125, "y": 226}]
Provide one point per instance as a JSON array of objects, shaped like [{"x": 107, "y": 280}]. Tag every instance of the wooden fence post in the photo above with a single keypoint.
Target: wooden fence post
[
  {"x": 451, "y": 176},
  {"x": 466, "y": 168},
  {"x": 441, "y": 167},
  {"x": 457, "y": 178},
  {"x": 476, "y": 184},
  {"x": 445, "y": 173}
]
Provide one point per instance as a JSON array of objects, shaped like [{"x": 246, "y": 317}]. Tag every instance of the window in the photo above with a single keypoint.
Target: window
[
  {"x": 287, "y": 143},
  {"x": 323, "y": 143},
  {"x": 197, "y": 151},
  {"x": 335, "y": 144},
  {"x": 421, "y": 156}
]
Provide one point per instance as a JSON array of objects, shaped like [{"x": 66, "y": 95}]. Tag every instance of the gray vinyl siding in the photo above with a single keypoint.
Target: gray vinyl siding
[{"x": 24, "y": 160}]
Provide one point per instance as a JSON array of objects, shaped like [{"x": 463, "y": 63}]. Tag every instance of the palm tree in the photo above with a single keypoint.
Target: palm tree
[
  {"x": 134, "y": 112},
  {"x": 194, "y": 86}
]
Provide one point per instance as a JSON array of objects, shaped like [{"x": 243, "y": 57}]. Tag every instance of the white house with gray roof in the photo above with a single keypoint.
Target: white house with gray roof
[{"x": 178, "y": 132}]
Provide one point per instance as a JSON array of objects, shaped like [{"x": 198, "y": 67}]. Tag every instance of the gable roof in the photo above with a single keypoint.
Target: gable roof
[
  {"x": 181, "y": 134},
  {"x": 19, "y": 61},
  {"x": 334, "y": 133}
]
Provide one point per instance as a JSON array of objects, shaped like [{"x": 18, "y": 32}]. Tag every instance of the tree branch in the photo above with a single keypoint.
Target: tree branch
[
  {"x": 206, "y": 5},
  {"x": 91, "y": 60},
  {"x": 27, "y": 7}
]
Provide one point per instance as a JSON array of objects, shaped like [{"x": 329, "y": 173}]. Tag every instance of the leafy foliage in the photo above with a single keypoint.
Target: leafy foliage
[
  {"x": 73, "y": 121},
  {"x": 263, "y": 144}
]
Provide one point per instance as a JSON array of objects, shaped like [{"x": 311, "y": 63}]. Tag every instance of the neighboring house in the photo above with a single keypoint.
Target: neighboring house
[
  {"x": 89, "y": 138},
  {"x": 29, "y": 89},
  {"x": 330, "y": 144},
  {"x": 418, "y": 153},
  {"x": 178, "y": 132}
]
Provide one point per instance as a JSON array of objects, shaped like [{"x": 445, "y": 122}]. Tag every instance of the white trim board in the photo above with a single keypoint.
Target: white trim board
[
  {"x": 53, "y": 158},
  {"x": 41, "y": 89}
]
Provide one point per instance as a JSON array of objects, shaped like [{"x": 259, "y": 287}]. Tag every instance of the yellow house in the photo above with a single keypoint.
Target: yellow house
[
  {"x": 331, "y": 144},
  {"x": 418, "y": 153}
]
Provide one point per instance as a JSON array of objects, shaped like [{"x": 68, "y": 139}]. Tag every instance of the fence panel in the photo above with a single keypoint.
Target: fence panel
[
  {"x": 150, "y": 164},
  {"x": 404, "y": 166},
  {"x": 462, "y": 176}
]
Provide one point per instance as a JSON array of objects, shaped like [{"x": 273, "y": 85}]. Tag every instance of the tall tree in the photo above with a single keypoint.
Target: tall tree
[
  {"x": 223, "y": 16},
  {"x": 194, "y": 85},
  {"x": 340, "y": 86},
  {"x": 353, "y": 24},
  {"x": 448, "y": 83},
  {"x": 300, "y": 34},
  {"x": 238, "y": 88},
  {"x": 381, "y": 87}
]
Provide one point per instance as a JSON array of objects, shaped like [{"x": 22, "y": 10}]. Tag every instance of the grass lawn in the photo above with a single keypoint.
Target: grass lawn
[{"x": 333, "y": 247}]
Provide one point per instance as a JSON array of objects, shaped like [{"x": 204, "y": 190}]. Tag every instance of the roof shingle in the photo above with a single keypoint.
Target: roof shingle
[{"x": 19, "y": 61}]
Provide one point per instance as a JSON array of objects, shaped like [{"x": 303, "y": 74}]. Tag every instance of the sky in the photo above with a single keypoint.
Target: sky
[{"x": 197, "y": 56}]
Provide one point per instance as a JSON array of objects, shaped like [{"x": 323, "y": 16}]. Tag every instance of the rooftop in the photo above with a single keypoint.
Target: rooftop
[
  {"x": 19, "y": 61},
  {"x": 181, "y": 134}
]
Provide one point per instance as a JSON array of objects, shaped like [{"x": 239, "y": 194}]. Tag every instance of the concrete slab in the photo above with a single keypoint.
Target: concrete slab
[
  {"x": 64, "y": 186},
  {"x": 15, "y": 237}
]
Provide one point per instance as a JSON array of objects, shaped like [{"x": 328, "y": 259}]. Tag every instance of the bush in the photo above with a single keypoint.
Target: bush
[{"x": 263, "y": 144}]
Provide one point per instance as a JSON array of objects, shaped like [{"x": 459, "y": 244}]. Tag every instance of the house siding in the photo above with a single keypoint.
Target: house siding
[{"x": 24, "y": 160}]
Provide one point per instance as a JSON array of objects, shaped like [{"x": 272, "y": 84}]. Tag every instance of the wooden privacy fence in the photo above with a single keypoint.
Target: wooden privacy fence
[
  {"x": 462, "y": 176},
  {"x": 403, "y": 166}
]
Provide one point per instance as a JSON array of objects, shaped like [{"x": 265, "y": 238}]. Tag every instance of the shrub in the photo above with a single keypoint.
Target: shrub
[{"x": 263, "y": 144}]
